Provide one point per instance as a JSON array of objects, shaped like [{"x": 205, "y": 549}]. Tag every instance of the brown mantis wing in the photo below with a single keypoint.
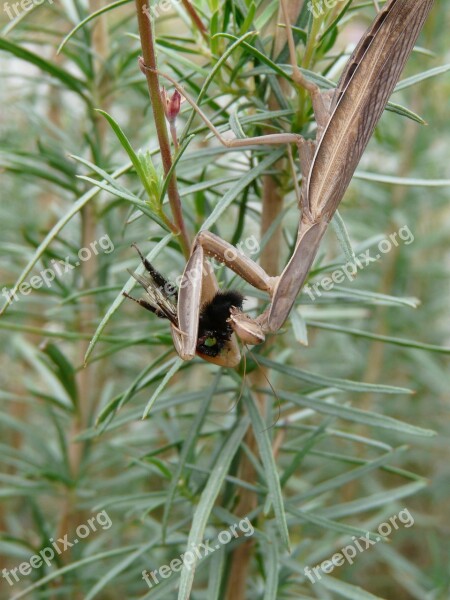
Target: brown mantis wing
[
  {"x": 358, "y": 103},
  {"x": 360, "y": 99}
]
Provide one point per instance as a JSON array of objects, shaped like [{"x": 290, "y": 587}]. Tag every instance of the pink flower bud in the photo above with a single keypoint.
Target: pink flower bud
[{"x": 172, "y": 104}]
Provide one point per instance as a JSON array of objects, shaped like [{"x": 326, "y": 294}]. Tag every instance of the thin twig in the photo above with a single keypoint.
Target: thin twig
[
  {"x": 194, "y": 17},
  {"x": 149, "y": 55}
]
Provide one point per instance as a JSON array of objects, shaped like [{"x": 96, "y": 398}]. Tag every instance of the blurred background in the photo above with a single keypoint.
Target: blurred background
[{"x": 73, "y": 438}]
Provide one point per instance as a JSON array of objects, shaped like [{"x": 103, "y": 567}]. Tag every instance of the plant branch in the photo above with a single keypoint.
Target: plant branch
[
  {"x": 149, "y": 55},
  {"x": 198, "y": 23}
]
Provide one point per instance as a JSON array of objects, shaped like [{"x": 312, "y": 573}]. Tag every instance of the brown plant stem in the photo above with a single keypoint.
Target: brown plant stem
[
  {"x": 149, "y": 55},
  {"x": 198, "y": 23},
  {"x": 272, "y": 206},
  {"x": 87, "y": 379}
]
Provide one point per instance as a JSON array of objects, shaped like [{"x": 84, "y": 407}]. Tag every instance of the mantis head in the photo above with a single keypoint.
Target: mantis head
[{"x": 219, "y": 317}]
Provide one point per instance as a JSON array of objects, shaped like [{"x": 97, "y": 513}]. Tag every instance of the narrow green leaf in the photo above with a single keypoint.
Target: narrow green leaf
[
  {"x": 216, "y": 571},
  {"x": 376, "y": 298},
  {"x": 381, "y": 338},
  {"x": 52, "y": 235},
  {"x": 188, "y": 446},
  {"x": 340, "y": 480},
  {"x": 405, "y": 112},
  {"x": 271, "y": 565},
  {"x": 129, "y": 150},
  {"x": 407, "y": 181},
  {"x": 347, "y": 590},
  {"x": 92, "y": 16},
  {"x": 207, "y": 499},
  {"x": 247, "y": 24},
  {"x": 68, "y": 80},
  {"x": 344, "y": 239},
  {"x": 357, "y": 415},
  {"x": 374, "y": 501},
  {"x": 324, "y": 381},
  {"x": 148, "y": 374},
  {"x": 64, "y": 370},
  {"x": 170, "y": 373},
  {"x": 120, "y": 298},
  {"x": 406, "y": 83},
  {"x": 270, "y": 469},
  {"x": 235, "y": 125},
  {"x": 314, "y": 438},
  {"x": 238, "y": 187},
  {"x": 328, "y": 524}
]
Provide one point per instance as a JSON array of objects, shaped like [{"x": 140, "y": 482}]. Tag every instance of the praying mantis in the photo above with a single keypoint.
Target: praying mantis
[{"x": 203, "y": 319}]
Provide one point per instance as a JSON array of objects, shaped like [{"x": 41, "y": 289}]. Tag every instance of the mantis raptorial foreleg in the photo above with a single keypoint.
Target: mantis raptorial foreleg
[
  {"x": 263, "y": 140},
  {"x": 190, "y": 296},
  {"x": 306, "y": 148},
  {"x": 321, "y": 102}
]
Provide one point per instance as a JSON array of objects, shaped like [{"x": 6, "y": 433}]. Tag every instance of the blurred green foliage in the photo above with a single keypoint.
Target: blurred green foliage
[{"x": 330, "y": 454}]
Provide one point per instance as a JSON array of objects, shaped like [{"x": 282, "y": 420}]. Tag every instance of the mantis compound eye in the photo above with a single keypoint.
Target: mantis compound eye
[
  {"x": 211, "y": 343},
  {"x": 214, "y": 327}
]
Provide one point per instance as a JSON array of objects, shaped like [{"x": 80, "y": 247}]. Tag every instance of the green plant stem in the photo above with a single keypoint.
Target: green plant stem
[
  {"x": 306, "y": 63},
  {"x": 149, "y": 54},
  {"x": 311, "y": 44}
]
